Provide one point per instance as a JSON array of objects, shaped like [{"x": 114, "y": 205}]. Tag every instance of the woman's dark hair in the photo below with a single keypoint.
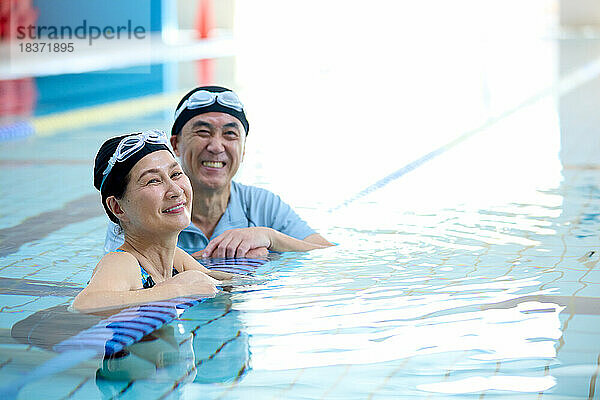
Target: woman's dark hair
[
  {"x": 115, "y": 183},
  {"x": 114, "y": 187}
]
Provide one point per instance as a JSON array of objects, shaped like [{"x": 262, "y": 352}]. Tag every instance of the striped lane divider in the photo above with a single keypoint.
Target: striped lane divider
[
  {"x": 240, "y": 266},
  {"x": 106, "y": 338},
  {"x": 115, "y": 333}
]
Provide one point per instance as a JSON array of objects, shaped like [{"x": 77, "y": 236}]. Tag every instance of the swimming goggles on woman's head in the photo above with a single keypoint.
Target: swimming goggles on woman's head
[
  {"x": 132, "y": 144},
  {"x": 204, "y": 98}
]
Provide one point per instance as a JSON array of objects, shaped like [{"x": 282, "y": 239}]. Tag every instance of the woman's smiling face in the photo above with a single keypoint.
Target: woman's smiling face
[{"x": 158, "y": 198}]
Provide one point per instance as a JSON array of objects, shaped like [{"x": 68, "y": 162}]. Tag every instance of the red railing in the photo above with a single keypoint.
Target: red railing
[
  {"x": 205, "y": 23},
  {"x": 14, "y": 13},
  {"x": 17, "y": 96}
]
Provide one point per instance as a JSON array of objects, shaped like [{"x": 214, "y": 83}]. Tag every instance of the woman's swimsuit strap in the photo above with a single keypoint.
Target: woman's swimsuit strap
[{"x": 147, "y": 281}]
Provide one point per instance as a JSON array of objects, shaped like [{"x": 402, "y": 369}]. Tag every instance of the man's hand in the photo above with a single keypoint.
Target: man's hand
[
  {"x": 261, "y": 253},
  {"x": 235, "y": 243}
]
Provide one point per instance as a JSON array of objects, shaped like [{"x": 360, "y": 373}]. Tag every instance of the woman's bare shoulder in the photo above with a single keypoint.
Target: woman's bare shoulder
[{"x": 118, "y": 263}]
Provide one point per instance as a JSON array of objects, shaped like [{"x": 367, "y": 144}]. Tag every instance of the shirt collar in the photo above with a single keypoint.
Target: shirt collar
[{"x": 234, "y": 211}]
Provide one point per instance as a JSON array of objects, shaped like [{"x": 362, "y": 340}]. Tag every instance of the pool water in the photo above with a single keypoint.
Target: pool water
[
  {"x": 430, "y": 292},
  {"x": 467, "y": 256}
]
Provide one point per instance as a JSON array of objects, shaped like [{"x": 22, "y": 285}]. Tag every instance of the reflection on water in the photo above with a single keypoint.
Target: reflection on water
[
  {"x": 208, "y": 345},
  {"x": 422, "y": 301},
  {"x": 454, "y": 300}
]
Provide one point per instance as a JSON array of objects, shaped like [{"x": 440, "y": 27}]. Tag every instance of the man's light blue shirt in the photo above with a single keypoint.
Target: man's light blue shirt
[{"x": 248, "y": 206}]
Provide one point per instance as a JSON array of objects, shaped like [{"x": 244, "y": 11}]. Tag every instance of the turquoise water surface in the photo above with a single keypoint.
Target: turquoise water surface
[{"x": 427, "y": 294}]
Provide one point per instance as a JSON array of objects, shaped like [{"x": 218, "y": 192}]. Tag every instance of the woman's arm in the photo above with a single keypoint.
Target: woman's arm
[
  {"x": 116, "y": 283},
  {"x": 189, "y": 263}
]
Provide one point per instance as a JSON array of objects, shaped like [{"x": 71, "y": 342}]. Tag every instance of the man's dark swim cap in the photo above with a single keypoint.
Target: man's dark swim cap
[
  {"x": 188, "y": 113},
  {"x": 116, "y": 181}
]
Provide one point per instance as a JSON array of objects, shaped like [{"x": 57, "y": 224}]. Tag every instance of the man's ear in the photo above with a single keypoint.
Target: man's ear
[
  {"x": 113, "y": 205},
  {"x": 174, "y": 143}
]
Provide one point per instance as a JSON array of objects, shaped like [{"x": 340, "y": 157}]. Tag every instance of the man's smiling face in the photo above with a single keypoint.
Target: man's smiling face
[{"x": 211, "y": 148}]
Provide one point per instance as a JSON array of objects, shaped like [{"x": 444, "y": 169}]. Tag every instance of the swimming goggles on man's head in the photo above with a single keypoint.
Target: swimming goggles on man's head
[
  {"x": 132, "y": 144},
  {"x": 204, "y": 98}
]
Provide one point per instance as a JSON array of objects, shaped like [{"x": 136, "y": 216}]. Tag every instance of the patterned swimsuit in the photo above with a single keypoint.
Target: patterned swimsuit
[{"x": 147, "y": 281}]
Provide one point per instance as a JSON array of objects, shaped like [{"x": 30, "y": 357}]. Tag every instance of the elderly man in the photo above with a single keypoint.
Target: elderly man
[{"x": 228, "y": 219}]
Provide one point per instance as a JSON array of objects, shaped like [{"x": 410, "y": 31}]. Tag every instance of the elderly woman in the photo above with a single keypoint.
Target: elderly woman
[{"x": 145, "y": 191}]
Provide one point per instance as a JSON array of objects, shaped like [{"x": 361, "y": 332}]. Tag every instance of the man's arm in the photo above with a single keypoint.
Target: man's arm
[
  {"x": 267, "y": 209},
  {"x": 315, "y": 238},
  {"x": 238, "y": 242},
  {"x": 274, "y": 225},
  {"x": 282, "y": 242}
]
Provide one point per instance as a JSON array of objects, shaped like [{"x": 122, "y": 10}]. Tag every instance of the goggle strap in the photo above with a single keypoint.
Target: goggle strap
[
  {"x": 104, "y": 176},
  {"x": 142, "y": 138},
  {"x": 215, "y": 98}
]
